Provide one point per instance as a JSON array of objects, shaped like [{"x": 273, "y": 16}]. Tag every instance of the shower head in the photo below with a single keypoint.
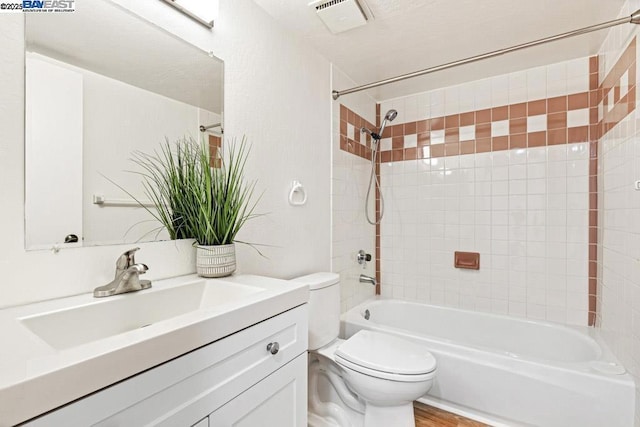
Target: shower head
[{"x": 391, "y": 114}]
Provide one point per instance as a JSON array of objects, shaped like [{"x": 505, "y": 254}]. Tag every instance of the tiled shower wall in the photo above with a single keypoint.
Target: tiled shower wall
[
  {"x": 350, "y": 174},
  {"x": 618, "y": 311},
  {"x": 525, "y": 211},
  {"x": 501, "y": 167}
]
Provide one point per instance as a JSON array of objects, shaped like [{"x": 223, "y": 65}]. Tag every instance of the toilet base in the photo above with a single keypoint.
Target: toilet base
[
  {"x": 315, "y": 420},
  {"x": 384, "y": 416}
]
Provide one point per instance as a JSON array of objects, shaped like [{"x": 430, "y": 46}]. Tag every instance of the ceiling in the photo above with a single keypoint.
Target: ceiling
[
  {"x": 109, "y": 40},
  {"x": 410, "y": 35}
]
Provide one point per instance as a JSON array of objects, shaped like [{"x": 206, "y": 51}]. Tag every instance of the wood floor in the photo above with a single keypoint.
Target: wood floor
[{"x": 428, "y": 416}]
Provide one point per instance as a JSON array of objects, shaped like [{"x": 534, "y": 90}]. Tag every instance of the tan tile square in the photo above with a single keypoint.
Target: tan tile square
[
  {"x": 557, "y": 104},
  {"x": 468, "y": 147},
  {"x": 437, "y": 150},
  {"x": 500, "y": 143},
  {"x": 452, "y": 121},
  {"x": 483, "y": 145},
  {"x": 578, "y": 134},
  {"x": 557, "y": 120},
  {"x": 557, "y": 136},
  {"x": 535, "y": 108},
  {"x": 518, "y": 141},
  {"x": 499, "y": 113},
  {"x": 483, "y": 116},
  {"x": 518, "y": 110},
  {"x": 537, "y": 139},
  {"x": 467, "y": 119},
  {"x": 518, "y": 125},
  {"x": 578, "y": 101}
]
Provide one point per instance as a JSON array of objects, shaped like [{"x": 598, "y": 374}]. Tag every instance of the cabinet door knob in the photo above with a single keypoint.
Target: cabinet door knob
[{"x": 273, "y": 347}]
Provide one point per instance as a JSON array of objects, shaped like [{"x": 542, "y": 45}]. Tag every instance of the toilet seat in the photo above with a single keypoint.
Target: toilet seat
[{"x": 386, "y": 356}]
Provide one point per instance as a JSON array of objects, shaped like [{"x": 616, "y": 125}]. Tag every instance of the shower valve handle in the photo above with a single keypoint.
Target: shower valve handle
[{"x": 363, "y": 258}]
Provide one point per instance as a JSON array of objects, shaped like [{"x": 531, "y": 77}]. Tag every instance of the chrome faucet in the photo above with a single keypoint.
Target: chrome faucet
[
  {"x": 368, "y": 279},
  {"x": 127, "y": 277}
]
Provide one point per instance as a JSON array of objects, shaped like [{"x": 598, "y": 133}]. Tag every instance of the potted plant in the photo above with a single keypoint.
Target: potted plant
[{"x": 194, "y": 200}]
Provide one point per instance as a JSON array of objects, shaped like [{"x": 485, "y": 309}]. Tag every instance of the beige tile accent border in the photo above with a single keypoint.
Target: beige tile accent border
[
  {"x": 351, "y": 139},
  {"x": 528, "y": 124}
]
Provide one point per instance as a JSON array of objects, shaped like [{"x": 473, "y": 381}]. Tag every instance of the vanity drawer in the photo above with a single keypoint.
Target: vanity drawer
[{"x": 183, "y": 391}]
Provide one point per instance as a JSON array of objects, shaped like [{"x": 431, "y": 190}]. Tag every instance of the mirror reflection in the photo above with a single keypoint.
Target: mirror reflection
[{"x": 100, "y": 84}]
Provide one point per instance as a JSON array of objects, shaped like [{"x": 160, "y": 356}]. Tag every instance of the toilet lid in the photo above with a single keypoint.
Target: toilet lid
[{"x": 386, "y": 353}]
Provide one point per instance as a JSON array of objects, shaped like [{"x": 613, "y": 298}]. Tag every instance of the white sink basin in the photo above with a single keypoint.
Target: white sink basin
[
  {"x": 60, "y": 350},
  {"x": 70, "y": 327}
]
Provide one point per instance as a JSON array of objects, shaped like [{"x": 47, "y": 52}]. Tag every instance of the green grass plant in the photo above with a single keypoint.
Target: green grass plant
[{"x": 194, "y": 200}]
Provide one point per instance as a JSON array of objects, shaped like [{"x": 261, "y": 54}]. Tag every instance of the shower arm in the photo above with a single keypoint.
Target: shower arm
[{"x": 632, "y": 19}]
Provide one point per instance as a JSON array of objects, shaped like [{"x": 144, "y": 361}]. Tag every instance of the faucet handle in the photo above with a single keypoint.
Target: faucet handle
[
  {"x": 363, "y": 258},
  {"x": 127, "y": 259}
]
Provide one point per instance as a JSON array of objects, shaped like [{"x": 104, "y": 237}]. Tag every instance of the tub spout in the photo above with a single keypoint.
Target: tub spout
[{"x": 368, "y": 279}]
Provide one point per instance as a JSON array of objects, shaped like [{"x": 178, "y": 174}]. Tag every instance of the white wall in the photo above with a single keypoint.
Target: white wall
[
  {"x": 277, "y": 92},
  {"x": 349, "y": 180}
]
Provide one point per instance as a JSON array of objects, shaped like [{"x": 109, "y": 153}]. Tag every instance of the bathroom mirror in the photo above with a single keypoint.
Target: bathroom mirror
[{"x": 100, "y": 84}]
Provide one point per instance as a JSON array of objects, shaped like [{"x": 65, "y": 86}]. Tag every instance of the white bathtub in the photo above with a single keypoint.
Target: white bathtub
[{"x": 506, "y": 371}]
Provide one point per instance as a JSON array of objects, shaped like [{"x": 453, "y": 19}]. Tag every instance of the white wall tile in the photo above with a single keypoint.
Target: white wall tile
[
  {"x": 467, "y": 133},
  {"x": 350, "y": 131},
  {"x": 578, "y": 117},
  {"x": 410, "y": 141},
  {"x": 500, "y": 128},
  {"x": 466, "y": 98},
  {"x": 537, "y": 123},
  {"x": 423, "y": 101},
  {"x": 536, "y": 83},
  {"x": 578, "y": 84},
  {"x": 578, "y": 67},
  {"x": 482, "y": 94},
  {"x": 410, "y": 109},
  {"x": 452, "y": 100},
  {"x": 556, "y": 79},
  {"x": 624, "y": 83},
  {"x": 499, "y": 90},
  {"x": 437, "y": 137}
]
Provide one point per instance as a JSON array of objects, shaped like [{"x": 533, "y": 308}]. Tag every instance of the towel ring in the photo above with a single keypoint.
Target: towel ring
[{"x": 297, "y": 187}]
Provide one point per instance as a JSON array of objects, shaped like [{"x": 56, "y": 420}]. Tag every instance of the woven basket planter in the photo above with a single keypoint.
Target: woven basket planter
[{"x": 216, "y": 261}]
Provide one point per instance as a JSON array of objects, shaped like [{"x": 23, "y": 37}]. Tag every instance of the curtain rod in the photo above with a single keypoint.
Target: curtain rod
[{"x": 632, "y": 19}]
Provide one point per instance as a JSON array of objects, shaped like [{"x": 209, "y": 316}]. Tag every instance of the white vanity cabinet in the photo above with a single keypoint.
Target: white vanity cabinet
[{"x": 235, "y": 381}]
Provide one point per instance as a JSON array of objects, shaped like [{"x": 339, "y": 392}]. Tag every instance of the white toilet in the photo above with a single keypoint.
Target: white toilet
[{"x": 373, "y": 378}]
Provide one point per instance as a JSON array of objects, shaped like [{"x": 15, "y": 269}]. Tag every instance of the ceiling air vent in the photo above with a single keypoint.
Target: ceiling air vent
[{"x": 340, "y": 15}]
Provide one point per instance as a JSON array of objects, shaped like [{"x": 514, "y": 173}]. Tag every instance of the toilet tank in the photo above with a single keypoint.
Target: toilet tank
[{"x": 324, "y": 307}]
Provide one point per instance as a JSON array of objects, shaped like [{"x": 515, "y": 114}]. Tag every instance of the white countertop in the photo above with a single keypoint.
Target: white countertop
[{"x": 36, "y": 378}]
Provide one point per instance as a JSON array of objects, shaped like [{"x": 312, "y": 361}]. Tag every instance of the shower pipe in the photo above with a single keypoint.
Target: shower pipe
[{"x": 632, "y": 19}]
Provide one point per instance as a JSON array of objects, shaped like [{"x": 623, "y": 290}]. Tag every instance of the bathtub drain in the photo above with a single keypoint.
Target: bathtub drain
[{"x": 367, "y": 315}]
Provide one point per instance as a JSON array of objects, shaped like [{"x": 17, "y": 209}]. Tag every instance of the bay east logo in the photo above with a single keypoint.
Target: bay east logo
[{"x": 48, "y": 5}]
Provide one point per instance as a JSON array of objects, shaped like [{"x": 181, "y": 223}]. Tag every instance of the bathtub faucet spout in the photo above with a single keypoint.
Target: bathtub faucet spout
[{"x": 368, "y": 279}]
